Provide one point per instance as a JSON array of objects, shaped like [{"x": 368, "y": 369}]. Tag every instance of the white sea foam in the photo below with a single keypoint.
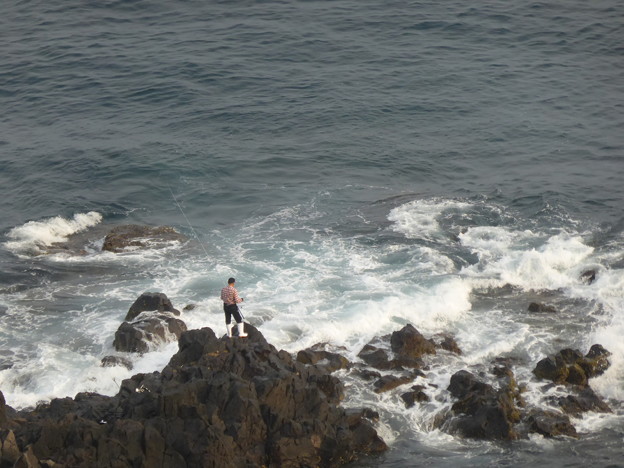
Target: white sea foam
[
  {"x": 526, "y": 259},
  {"x": 420, "y": 218},
  {"x": 33, "y": 237}
]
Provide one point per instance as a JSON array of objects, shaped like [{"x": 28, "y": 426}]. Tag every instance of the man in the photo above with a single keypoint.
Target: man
[{"x": 231, "y": 299}]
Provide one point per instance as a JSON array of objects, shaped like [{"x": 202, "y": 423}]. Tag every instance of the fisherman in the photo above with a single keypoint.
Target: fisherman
[{"x": 231, "y": 299}]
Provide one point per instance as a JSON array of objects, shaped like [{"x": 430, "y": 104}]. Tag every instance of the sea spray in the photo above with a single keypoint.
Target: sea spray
[{"x": 33, "y": 237}]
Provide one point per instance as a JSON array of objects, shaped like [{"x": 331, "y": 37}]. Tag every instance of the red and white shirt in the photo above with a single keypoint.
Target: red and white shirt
[{"x": 229, "y": 295}]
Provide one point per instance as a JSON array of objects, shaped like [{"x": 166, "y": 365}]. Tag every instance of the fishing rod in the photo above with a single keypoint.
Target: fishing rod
[{"x": 187, "y": 221}]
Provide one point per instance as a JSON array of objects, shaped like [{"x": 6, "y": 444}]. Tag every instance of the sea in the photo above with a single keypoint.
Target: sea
[{"x": 355, "y": 165}]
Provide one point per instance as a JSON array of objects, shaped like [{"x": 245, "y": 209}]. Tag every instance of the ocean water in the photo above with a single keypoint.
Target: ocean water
[{"x": 355, "y": 165}]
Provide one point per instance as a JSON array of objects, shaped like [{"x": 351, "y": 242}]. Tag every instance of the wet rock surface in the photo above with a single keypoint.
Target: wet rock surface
[
  {"x": 150, "y": 321},
  {"x": 539, "y": 307},
  {"x": 133, "y": 236},
  {"x": 488, "y": 404},
  {"x": 318, "y": 355},
  {"x": 218, "y": 403},
  {"x": 570, "y": 366}
]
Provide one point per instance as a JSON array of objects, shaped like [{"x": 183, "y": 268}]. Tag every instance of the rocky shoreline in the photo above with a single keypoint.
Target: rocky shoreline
[
  {"x": 218, "y": 403},
  {"x": 224, "y": 402}
]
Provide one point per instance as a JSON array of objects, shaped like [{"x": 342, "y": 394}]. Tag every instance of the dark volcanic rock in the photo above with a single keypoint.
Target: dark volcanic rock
[
  {"x": 147, "y": 331},
  {"x": 551, "y": 424},
  {"x": 132, "y": 236},
  {"x": 375, "y": 357},
  {"x": 150, "y": 302},
  {"x": 538, "y": 307},
  {"x": 150, "y": 321},
  {"x": 588, "y": 276},
  {"x": 389, "y": 382},
  {"x": 582, "y": 401},
  {"x": 448, "y": 343},
  {"x": 415, "y": 395},
  {"x": 218, "y": 403},
  {"x": 112, "y": 361},
  {"x": 409, "y": 342},
  {"x": 571, "y": 367},
  {"x": 482, "y": 412},
  {"x": 318, "y": 356}
]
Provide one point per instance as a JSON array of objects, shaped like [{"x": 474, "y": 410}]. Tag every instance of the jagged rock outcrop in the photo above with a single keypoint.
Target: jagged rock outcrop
[
  {"x": 409, "y": 342},
  {"x": 550, "y": 424},
  {"x": 218, "y": 403},
  {"x": 150, "y": 321},
  {"x": 571, "y": 367},
  {"x": 481, "y": 411},
  {"x": 415, "y": 395},
  {"x": 132, "y": 236},
  {"x": 317, "y": 355},
  {"x": 408, "y": 346},
  {"x": 148, "y": 302}
]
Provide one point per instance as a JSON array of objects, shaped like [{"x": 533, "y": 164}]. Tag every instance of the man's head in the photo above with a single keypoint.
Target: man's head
[{"x": 231, "y": 281}]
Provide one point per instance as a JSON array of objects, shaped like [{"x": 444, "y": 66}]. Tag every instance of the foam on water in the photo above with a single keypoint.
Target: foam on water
[
  {"x": 304, "y": 286},
  {"x": 420, "y": 218},
  {"x": 33, "y": 237}
]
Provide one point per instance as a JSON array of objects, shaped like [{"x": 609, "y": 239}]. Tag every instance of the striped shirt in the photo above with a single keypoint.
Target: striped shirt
[{"x": 229, "y": 295}]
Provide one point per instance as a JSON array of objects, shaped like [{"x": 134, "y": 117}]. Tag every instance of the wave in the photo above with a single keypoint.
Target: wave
[{"x": 34, "y": 237}]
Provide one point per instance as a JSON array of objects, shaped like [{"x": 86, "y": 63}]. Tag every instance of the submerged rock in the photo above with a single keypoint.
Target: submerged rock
[
  {"x": 581, "y": 401},
  {"x": 588, "y": 276},
  {"x": 218, "y": 403},
  {"x": 133, "y": 236},
  {"x": 539, "y": 307},
  {"x": 113, "y": 361},
  {"x": 415, "y": 395}
]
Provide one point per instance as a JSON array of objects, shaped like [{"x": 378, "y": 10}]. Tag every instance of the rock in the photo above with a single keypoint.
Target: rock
[
  {"x": 596, "y": 361},
  {"x": 9, "y": 450},
  {"x": 132, "y": 236},
  {"x": 389, "y": 382},
  {"x": 320, "y": 357},
  {"x": 571, "y": 367},
  {"x": 375, "y": 357},
  {"x": 588, "y": 276},
  {"x": 482, "y": 412},
  {"x": 4, "y": 417},
  {"x": 219, "y": 402},
  {"x": 189, "y": 307},
  {"x": 552, "y": 368},
  {"x": 367, "y": 374},
  {"x": 584, "y": 400},
  {"x": 551, "y": 424},
  {"x": 538, "y": 307},
  {"x": 409, "y": 342},
  {"x": 113, "y": 361},
  {"x": 148, "y": 331},
  {"x": 150, "y": 302},
  {"x": 448, "y": 343},
  {"x": 416, "y": 395}
]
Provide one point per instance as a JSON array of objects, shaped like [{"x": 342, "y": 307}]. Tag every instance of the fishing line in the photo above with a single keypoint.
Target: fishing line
[{"x": 188, "y": 222}]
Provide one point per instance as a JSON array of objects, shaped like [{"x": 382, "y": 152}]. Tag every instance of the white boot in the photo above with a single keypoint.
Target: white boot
[
  {"x": 241, "y": 330},
  {"x": 230, "y": 327}
]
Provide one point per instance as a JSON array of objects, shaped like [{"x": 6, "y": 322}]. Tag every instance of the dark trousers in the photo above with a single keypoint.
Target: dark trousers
[{"x": 230, "y": 310}]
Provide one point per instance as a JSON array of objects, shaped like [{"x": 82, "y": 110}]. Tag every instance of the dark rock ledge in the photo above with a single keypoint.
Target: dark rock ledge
[{"x": 218, "y": 403}]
